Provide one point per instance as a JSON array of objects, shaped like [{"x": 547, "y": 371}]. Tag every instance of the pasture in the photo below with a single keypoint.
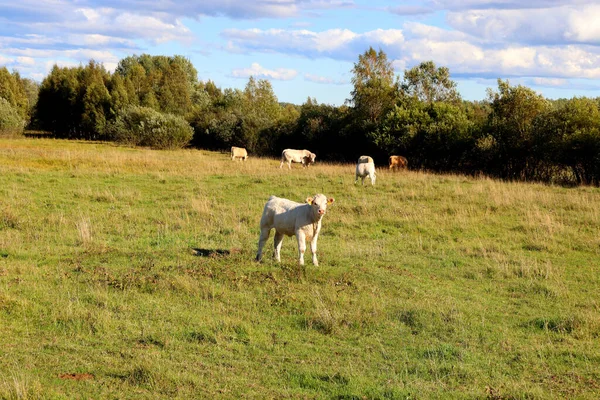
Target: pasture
[{"x": 130, "y": 273}]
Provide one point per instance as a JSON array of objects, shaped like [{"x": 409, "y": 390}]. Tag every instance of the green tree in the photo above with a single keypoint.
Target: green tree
[
  {"x": 513, "y": 110},
  {"x": 434, "y": 136},
  {"x": 429, "y": 84},
  {"x": 164, "y": 83},
  {"x": 12, "y": 89},
  {"x": 32, "y": 89},
  {"x": 260, "y": 110},
  {"x": 568, "y": 136},
  {"x": 11, "y": 123},
  {"x": 119, "y": 95},
  {"x": 374, "y": 90},
  {"x": 56, "y": 109},
  {"x": 95, "y": 99}
]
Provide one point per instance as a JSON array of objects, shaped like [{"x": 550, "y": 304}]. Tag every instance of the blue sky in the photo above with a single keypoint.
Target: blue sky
[{"x": 308, "y": 47}]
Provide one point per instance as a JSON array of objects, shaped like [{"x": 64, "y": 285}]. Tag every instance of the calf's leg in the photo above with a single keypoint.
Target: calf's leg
[
  {"x": 301, "y": 246},
  {"x": 313, "y": 250},
  {"x": 264, "y": 235},
  {"x": 277, "y": 244}
]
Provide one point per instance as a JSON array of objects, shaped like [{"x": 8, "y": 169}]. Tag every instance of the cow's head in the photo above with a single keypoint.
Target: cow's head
[{"x": 319, "y": 203}]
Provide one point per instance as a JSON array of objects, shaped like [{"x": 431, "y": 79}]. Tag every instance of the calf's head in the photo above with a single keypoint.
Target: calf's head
[{"x": 319, "y": 203}]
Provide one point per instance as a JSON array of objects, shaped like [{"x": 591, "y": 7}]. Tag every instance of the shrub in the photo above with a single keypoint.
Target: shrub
[
  {"x": 143, "y": 126},
  {"x": 10, "y": 121}
]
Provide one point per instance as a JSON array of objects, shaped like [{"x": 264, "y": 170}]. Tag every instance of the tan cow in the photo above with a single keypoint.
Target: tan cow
[
  {"x": 238, "y": 152},
  {"x": 298, "y": 156},
  {"x": 398, "y": 162},
  {"x": 365, "y": 167},
  {"x": 291, "y": 218}
]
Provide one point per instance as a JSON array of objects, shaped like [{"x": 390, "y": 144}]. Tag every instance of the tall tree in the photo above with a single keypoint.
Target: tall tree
[
  {"x": 164, "y": 83},
  {"x": 119, "y": 96},
  {"x": 429, "y": 84},
  {"x": 95, "y": 100},
  {"x": 374, "y": 90},
  {"x": 56, "y": 109}
]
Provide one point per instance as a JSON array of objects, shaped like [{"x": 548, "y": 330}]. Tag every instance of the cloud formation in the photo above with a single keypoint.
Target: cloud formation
[
  {"x": 340, "y": 44},
  {"x": 324, "y": 80},
  {"x": 545, "y": 26},
  {"x": 547, "y": 43},
  {"x": 257, "y": 71}
]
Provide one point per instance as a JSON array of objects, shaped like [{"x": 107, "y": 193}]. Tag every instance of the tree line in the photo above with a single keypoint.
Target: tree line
[{"x": 158, "y": 101}]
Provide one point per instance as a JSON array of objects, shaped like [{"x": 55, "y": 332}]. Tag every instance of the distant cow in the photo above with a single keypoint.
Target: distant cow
[
  {"x": 365, "y": 167},
  {"x": 298, "y": 156},
  {"x": 238, "y": 152},
  {"x": 291, "y": 218},
  {"x": 398, "y": 162}
]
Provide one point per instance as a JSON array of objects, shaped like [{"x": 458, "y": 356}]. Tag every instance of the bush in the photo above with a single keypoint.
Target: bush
[
  {"x": 10, "y": 121},
  {"x": 142, "y": 126}
]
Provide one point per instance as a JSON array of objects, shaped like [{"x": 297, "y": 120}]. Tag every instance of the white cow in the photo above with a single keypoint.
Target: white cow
[
  {"x": 291, "y": 218},
  {"x": 365, "y": 167},
  {"x": 298, "y": 156},
  {"x": 238, "y": 152}
]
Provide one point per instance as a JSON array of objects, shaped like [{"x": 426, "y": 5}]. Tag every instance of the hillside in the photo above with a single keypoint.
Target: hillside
[{"x": 129, "y": 273}]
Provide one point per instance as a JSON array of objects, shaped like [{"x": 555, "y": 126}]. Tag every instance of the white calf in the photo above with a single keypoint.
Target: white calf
[
  {"x": 291, "y": 218},
  {"x": 238, "y": 152},
  {"x": 365, "y": 167},
  {"x": 298, "y": 156}
]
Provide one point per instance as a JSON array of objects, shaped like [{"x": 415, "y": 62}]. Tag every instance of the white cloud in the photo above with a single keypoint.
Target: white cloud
[
  {"x": 419, "y": 30},
  {"x": 556, "y": 25},
  {"x": 502, "y": 4},
  {"x": 26, "y": 61},
  {"x": 410, "y": 10},
  {"x": 324, "y": 80},
  {"x": 5, "y": 60},
  {"x": 550, "y": 82},
  {"x": 462, "y": 53},
  {"x": 237, "y": 9},
  {"x": 257, "y": 71},
  {"x": 545, "y": 61},
  {"x": 334, "y": 43}
]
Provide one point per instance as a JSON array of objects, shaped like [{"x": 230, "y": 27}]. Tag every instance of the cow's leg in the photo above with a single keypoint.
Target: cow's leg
[
  {"x": 277, "y": 245},
  {"x": 290, "y": 164},
  {"x": 301, "y": 246},
  {"x": 355, "y": 179},
  {"x": 313, "y": 250},
  {"x": 264, "y": 235},
  {"x": 281, "y": 165}
]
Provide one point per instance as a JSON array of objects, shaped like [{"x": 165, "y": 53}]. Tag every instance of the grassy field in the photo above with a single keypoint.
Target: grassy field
[{"x": 129, "y": 273}]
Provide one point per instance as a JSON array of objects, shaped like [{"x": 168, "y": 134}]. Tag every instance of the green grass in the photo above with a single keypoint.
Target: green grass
[{"x": 430, "y": 286}]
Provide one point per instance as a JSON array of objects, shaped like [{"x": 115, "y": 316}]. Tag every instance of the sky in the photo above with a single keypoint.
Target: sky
[{"x": 307, "y": 48}]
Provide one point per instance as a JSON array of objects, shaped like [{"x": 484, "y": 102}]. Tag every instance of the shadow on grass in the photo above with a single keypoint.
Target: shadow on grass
[{"x": 214, "y": 252}]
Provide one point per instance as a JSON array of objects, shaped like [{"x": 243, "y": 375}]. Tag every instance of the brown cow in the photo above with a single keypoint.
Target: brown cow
[{"x": 398, "y": 162}]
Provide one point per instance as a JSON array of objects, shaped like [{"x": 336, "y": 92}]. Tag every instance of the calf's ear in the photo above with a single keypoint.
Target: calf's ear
[
  {"x": 330, "y": 200},
  {"x": 309, "y": 200}
]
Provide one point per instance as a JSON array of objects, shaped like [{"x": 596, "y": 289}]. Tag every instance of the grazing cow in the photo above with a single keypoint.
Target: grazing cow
[
  {"x": 365, "y": 167},
  {"x": 398, "y": 162},
  {"x": 291, "y": 218},
  {"x": 238, "y": 152},
  {"x": 298, "y": 156}
]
